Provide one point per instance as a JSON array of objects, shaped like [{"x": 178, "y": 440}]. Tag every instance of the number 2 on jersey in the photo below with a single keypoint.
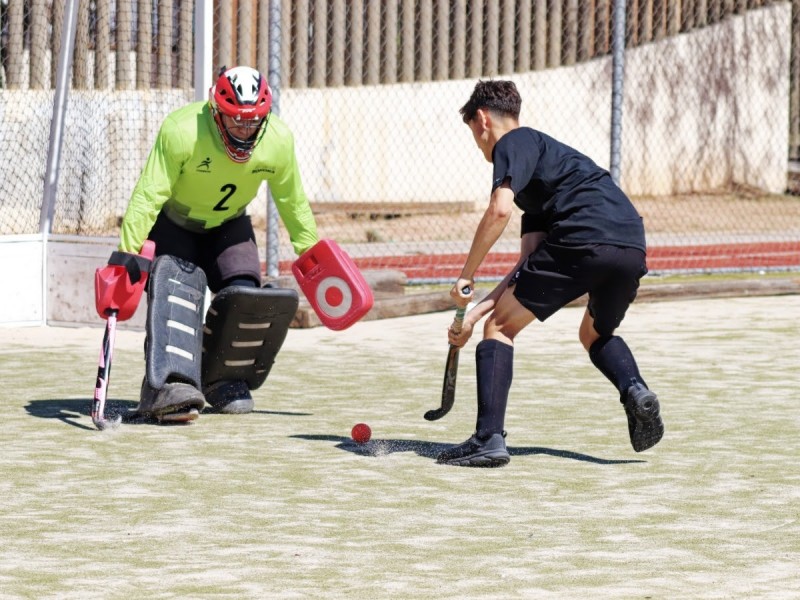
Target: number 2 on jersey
[{"x": 229, "y": 190}]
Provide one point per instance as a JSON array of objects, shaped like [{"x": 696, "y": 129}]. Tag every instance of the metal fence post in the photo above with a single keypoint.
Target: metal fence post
[
  {"x": 59, "y": 110},
  {"x": 203, "y": 47},
  {"x": 274, "y": 80},
  {"x": 618, "y": 79}
]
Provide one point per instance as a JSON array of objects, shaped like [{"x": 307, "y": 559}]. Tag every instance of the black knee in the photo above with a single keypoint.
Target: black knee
[{"x": 597, "y": 347}]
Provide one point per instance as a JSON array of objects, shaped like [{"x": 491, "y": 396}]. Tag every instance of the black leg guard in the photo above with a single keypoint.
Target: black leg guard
[
  {"x": 171, "y": 387},
  {"x": 245, "y": 328}
]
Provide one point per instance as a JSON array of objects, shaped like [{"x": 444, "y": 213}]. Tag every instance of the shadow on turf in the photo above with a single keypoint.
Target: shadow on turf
[
  {"x": 73, "y": 410},
  {"x": 432, "y": 449}
]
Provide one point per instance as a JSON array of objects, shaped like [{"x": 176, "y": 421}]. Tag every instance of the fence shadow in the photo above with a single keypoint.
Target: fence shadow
[{"x": 425, "y": 449}]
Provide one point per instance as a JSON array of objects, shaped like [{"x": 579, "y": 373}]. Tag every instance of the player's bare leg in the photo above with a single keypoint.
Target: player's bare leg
[{"x": 614, "y": 359}]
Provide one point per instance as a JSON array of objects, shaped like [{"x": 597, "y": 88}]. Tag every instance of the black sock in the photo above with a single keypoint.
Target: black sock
[
  {"x": 494, "y": 361},
  {"x": 611, "y": 355},
  {"x": 242, "y": 281}
]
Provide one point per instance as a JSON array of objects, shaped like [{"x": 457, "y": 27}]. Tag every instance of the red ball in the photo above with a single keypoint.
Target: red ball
[{"x": 361, "y": 433}]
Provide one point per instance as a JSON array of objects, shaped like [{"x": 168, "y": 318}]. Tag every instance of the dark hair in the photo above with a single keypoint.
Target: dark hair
[{"x": 495, "y": 95}]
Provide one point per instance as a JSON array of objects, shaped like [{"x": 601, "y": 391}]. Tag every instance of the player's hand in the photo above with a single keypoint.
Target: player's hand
[
  {"x": 457, "y": 292},
  {"x": 460, "y": 338},
  {"x": 134, "y": 264}
]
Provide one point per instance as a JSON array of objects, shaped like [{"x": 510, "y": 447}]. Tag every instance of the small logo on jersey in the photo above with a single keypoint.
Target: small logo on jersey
[
  {"x": 205, "y": 166},
  {"x": 270, "y": 170}
]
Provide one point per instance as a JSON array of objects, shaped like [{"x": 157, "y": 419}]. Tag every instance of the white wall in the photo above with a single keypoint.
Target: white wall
[
  {"x": 21, "y": 265},
  {"x": 64, "y": 294}
]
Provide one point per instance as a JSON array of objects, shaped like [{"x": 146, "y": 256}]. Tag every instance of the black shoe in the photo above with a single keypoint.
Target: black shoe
[
  {"x": 174, "y": 403},
  {"x": 644, "y": 420},
  {"x": 229, "y": 397},
  {"x": 475, "y": 452}
]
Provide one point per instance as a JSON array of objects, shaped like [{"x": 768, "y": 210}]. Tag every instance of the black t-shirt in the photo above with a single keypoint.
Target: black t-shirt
[{"x": 564, "y": 193}]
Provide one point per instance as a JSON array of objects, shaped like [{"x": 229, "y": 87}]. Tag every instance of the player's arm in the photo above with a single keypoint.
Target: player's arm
[
  {"x": 528, "y": 244},
  {"x": 292, "y": 203},
  {"x": 489, "y": 230},
  {"x": 152, "y": 190}
]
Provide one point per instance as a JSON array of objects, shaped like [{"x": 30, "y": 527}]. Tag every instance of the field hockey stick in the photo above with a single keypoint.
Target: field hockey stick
[
  {"x": 450, "y": 369},
  {"x": 117, "y": 288},
  {"x": 103, "y": 373}
]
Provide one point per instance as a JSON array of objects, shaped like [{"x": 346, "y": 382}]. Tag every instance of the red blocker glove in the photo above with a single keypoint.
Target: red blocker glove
[
  {"x": 119, "y": 285},
  {"x": 333, "y": 285}
]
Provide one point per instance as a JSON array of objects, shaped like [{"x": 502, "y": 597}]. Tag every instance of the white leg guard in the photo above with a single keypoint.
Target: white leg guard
[{"x": 173, "y": 347}]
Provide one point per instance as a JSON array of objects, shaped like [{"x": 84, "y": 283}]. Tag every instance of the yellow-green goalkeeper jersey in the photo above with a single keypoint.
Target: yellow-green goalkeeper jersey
[{"x": 189, "y": 176}]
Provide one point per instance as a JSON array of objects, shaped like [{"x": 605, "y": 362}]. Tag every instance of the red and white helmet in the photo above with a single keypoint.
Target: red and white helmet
[{"x": 242, "y": 94}]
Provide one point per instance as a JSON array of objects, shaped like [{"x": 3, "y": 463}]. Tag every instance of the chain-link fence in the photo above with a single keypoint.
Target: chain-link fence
[
  {"x": 132, "y": 64},
  {"x": 371, "y": 89}
]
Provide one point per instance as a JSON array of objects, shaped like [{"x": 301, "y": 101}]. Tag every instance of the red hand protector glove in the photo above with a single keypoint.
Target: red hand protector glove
[{"x": 118, "y": 286}]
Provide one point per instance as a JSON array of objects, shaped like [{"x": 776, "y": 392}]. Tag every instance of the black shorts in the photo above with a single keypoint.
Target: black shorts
[
  {"x": 224, "y": 252},
  {"x": 554, "y": 276}
]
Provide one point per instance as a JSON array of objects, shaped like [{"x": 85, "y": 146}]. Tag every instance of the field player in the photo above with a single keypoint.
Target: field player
[
  {"x": 580, "y": 234},
  {"x": 205, "y": 167}
]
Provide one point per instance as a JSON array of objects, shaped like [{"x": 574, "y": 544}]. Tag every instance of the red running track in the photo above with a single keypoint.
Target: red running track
[{"x": 760, "y": 255}]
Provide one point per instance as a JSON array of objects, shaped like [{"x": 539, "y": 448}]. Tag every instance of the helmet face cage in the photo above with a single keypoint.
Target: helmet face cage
[{"x": 242, "y": 95}]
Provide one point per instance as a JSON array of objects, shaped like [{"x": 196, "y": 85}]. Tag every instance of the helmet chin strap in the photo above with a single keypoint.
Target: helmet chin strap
[
  {"x": 244, "y": 143},
  {"x": 239, "y": 150}
]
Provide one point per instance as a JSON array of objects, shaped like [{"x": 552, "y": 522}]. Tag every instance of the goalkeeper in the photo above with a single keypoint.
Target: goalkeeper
[{"x": 206, "y": 165}]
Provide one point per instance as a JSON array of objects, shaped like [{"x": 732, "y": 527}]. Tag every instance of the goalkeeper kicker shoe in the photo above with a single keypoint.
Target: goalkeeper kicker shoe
[
  {"x": 477, "y": 452},
  {"x": 174, "y": 403},
  {"x": 229, "y": 397},
  {"x": 644, "y": 417}
]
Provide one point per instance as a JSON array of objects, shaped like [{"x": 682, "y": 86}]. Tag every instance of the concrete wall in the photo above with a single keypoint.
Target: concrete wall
[
  {"x": 62, "y": 294},
  {"x": 709, "y": 109},
  {"x": 70, "y": 283},
  {"x": 702, "y": 111}
]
